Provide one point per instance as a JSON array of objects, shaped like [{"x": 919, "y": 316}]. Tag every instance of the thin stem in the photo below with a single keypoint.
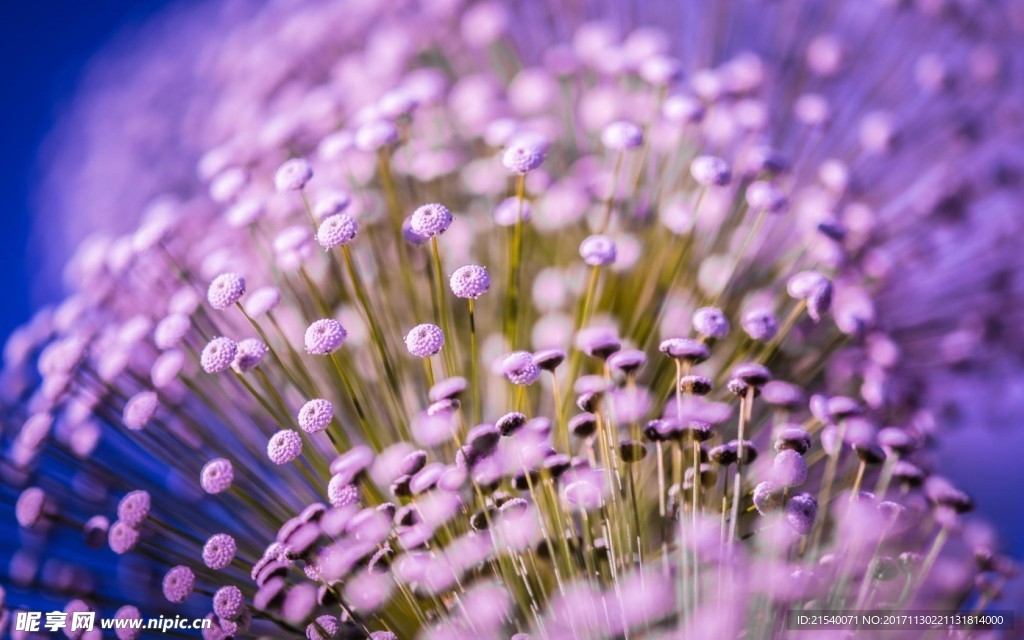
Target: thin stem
[
  {"x": 515, "y": 255},
  {"x": 474, "y": 365}
]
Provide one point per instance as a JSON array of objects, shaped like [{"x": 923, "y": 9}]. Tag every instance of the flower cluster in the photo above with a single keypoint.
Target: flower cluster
[{"x": 465, "y": 329}]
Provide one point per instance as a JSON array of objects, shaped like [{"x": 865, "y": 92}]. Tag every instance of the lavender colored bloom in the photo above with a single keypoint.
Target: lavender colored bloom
[
  {"x": 336, "y": 230},
  {"x": 30, "y": 507},
  {"x": 249, "y": 355},
  {"x": 685, "y": 349},
  {"x": 324, "y": 627},
  {"x": 430, "y": 220},
  {"x": 293, "y": 175},
  {"x": 129, "y": 613},
  {"x": 598, "y": 251},
  {"x": 122, "y": 537},
  {"x": 284, "y": 446},
  {"x": 219, "y": 551},
  {"x": 324, "y": 337},
  {"x": 262, "y": 301},
  {"x": 767, "y": 497},
  {"x": 524, "y": 154},
  {"x": 315, "y": 415},
  {"x": 710, "y": 171},
  {"x": 341, "y": 493},
  {"x": 621, "y": 136},
  {"x": 512, "y": 210},
  {"x": 760, "y": 324},
  {"x": 376, "y": 135},
  {"x": 710, "y": 322},
  {"x": 801, "y": 512},
  {"x": 218, "y": 355},
  {"x": 217, "y": 476},
  {"x": 171, "y": 330},
  {"x": 549, "y": 359},
  {"x": 228, "y": 602},
  {"x": 789, "y": 468},
  {"x": 225, "y": 290},
  {"x": 448, "y": 389},
  {"x": 519, "y": 368},
  {"x": 133, "y": 508},
  {"x": 140, "y": 409},
  {"x": 627, "y": 360},
  {"x": 470, "y": 281},
  {"x": 424, "y": 340}
]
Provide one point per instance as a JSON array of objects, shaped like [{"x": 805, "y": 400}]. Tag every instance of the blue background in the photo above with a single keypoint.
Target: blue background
[{"x": 45, "y": 45}]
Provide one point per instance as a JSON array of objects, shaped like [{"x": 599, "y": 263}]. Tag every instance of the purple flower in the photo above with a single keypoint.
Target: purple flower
[
  {"x": 249, "y": 355},
  {"x": 598, "y": 250},
  {"x": 336, "y": 230},
  {"x": 140, "y": 409},
  {"x": 710, "y": 322},
  {"x": 315, "y": 415},
  {"x": 218, "y": 355},
  {"x": 284, "y": 446},
  {"x": 470, "y": 281},
  {"x": 424, "y": 340},
  {"x": 710, "y": 171},
  {"x": 524, "y": 154},
  {"x": 293, "y": 175},
  {"x": 430, "y": 220},
  {"x": 228, "y": 602},
  {"x": 621, "y": 136},
  {"x": 133, "y": 508},
  {"x": 217, "y": 476},
  {"x": 225, "y": 290},
  {"x": 520, "y": 369},
  {"x": 219, "y": 551},
  {"x": 324, "y": 337}
]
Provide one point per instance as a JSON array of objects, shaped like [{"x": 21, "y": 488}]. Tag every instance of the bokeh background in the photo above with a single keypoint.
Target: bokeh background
[{"x": 49, "y": 48}]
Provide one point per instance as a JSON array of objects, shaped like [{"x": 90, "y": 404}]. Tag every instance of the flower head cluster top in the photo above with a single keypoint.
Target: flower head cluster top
[{"x": 485, "y": 322}]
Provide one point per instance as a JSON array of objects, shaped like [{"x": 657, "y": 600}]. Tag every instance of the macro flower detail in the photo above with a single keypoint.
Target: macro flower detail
[
  {"x": 315, "y": 415},
  {"x": 324, "y": 337},
  {"x": 470, "y": 281},
  {"x": 424, "y": 340},
  {"x": 430, "y": 220},
  {"x": 576, "y": 443},
  {"x": 225, "y": 290}
]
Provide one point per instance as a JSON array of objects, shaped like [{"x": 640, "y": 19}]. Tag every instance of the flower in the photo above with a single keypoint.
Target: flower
[
  {"x": 225, "y": 290},
  {"x": 703, "y": 468},
  {"x": 324, "y": 337},
  {"x": 470, "y": 281},
  {"x": 431, "y": 220},
  {"x": 424, "y": 340}
]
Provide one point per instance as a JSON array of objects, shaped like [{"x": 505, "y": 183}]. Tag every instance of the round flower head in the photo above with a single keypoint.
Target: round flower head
[
  {"x": 178, "y": 584},
  {"x": 549, "y": 359},
  {"x": 383, "y": 635},
  {"x": 139, "y": 410},
  {"x": 293, "y": 175},
  {"x": 789, "y": 468},
  {"x": 336, "y": 230},
  {"x": 520, "y": 369},
  {"x": 524, "y": 154},
  {"x": 249, "y": 355},
  {"x": 30, "y": 507},
  {"x": 447, "y": 389},
  {"x": 219, "y": 551},
  {"x": 95, "y": 531},
  {"x": 765, "y": 196},
  {"x": 512, "y": 210},
  {"x": 424, "y": 340},
  {"x": 325, "y": 627},
  {"x": 284, "y": 446},
  {"x": 470, "y": 281},
  {"x": 217, "y": 476},
  {"x": 218, "y": 355},
  {"x": 171, "y": 330},
  {"x": 710, "y": 171},
  {"x": 710, "y": 322},
  {"x": 262, "y": 301},
  {"x": 598, "y": 250},
  {"x": 122, "y": 537},
  {"x": 225, "y": 290},
  {"x": 767, "y": 497},
  {"x": 315, "y": 415},
  {"x": 627, "y": 361},
  {"x": 228, "y": 602},
  {"x": 341, "y": 492},
  {"x": 622, "y": 135},
  {"x": 127, "y": 612},
  {"x": 686, "y": 349},
  {"x": 133, "y": 508},
  {"x": 324, "y": 337},
  {"x": 431, "y": 220},
  {"x": 376, "y": 135},
  {"x": 760, "y": 324},
  {"x": 801, "y": 510}
]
